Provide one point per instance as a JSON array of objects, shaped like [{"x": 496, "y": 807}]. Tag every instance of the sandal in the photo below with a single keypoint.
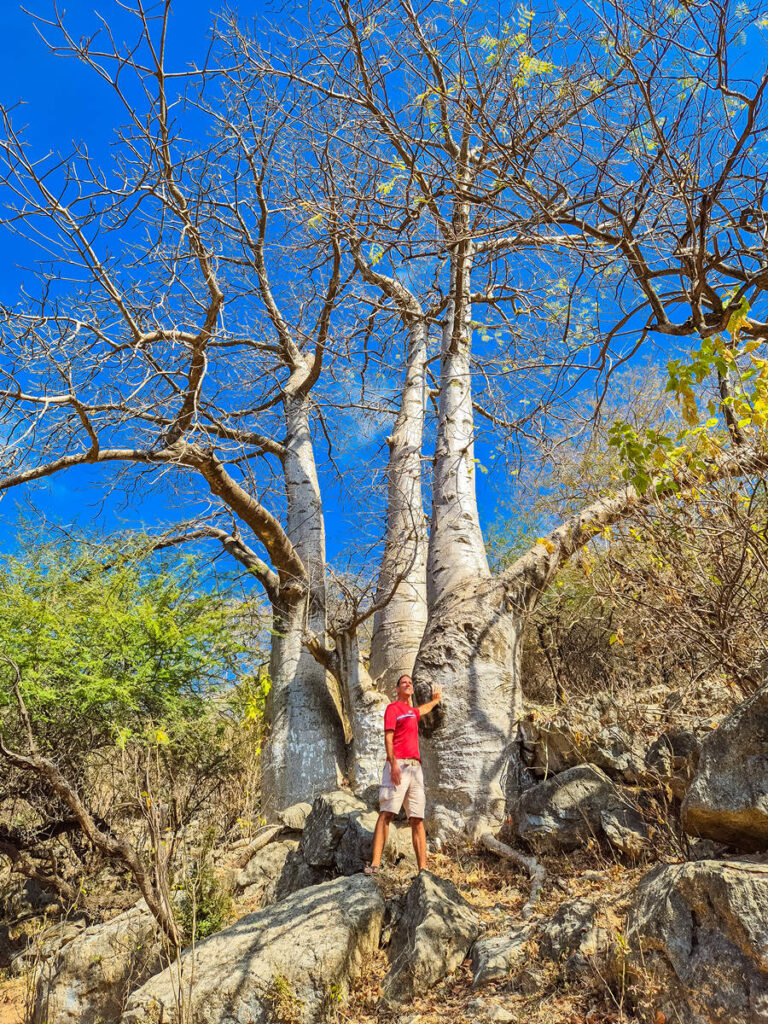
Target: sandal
[{"x": 371, "y": 869}]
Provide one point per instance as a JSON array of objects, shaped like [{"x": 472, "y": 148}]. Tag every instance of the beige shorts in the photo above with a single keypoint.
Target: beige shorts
[{"x": 411, "y": 789}]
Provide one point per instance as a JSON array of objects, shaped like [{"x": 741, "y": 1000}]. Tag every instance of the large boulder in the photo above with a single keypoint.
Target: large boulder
[
  {"x": 291, "y": 961},
  {"x": 565, "y": 810},
  {"x": 497, "y": 956},
  {"x": 354, "y": 850},
  {"x": 697, "y": 943},
  {"x": 433, "y": 935},
  {"x": 295, "y": 816},
  {"x": 728, "y": 798},
  {"x": 262, "y": 876},
  {"x": 265, "y": 867},
  {"x": 32, "y": 951},
  {"x": 625, "y": 830},
  {"x": 91, "y": 977},
  {"x": 297, "y": 874},
  {"x": 326, "y": 824}
]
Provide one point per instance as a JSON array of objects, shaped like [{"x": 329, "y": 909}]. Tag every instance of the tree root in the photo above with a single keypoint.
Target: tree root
[
  {"x": 263, "y": 837},
  {"x": 537, "y": 871}
]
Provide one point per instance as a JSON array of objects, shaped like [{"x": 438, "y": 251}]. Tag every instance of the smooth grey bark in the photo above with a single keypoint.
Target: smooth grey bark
[
  {"x": 304, "y": 752},
  {"x": 365, "y": 704},
  {"x": 399, "y": 624},
  {"x": 471, "y": 646},
  {"x": 456, "y": 547}
]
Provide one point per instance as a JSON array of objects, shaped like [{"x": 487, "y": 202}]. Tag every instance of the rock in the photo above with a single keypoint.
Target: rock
[
  {"x": 697, "y": 936},
  {"x": 728, "y": 798},
  {"x": 499, "y": 1015},
  {"x": 626, "y": 831},
  {"x": 704, "y": 849},
  {"x": 370, "y": 796},
  {"x": 291, "y": 961},
  {"x": 431, "y": 938},
  {"x": 499, "y": 955},
  {"x": 88, "y": 981},
  {"x": 297, "y": 874},
  {"x": 672, "y": 759},
  {"x": 326, "y": 824},
  {"x": 572, "y": 936},
  {"x": 564, "y": 811},
  {"x": 295, "y": 816},
  {"x": 484, "y": 1011},
  {"x": 43, "y": 945},
  {"x": 555, "y": 746},
  {"x": 25, "y": 898},
  {"x": 354, "y": 850},
  {"x": 264, "y": 870},
  {"x": 531, "y": 981},
  {"x": 616, "y": 752},
  {"x": 401, "y": 843}
]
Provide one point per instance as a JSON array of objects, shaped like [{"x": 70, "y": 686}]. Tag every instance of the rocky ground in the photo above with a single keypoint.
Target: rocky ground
[
  {"x": 540, "y": 991},
  {"x": 651, "y": 824}
]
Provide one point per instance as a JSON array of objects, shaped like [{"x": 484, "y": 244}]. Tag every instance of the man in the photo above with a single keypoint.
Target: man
[{"x": 403, "y": 779}]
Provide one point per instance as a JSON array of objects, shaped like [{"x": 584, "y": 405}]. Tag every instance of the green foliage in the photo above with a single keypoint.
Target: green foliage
[
  {"x": 285, "y": 1006},
  {"x": 205, "y": 906},
  {"x": 657, "y": 457},
  {"x": 113, "y": 646}
]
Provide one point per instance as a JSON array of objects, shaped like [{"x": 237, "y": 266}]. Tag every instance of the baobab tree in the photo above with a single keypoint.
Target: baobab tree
[
  {"x": 478, "y": 149},
  {"x": 451, "y": 164},
  {"x": 136, "y": 366}
]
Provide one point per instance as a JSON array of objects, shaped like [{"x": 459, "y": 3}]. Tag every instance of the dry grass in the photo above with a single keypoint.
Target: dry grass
[{"x": 497, "y": 890}]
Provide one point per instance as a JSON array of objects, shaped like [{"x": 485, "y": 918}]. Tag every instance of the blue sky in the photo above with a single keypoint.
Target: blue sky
[{"x": 59, "y": 101}]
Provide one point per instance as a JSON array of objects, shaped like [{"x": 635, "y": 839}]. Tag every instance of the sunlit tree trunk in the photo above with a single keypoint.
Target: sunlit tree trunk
[
  {"x": 471, "y": 646},
  {"x": 402, "y": 585},
  {"x": 304, "y": 752}
]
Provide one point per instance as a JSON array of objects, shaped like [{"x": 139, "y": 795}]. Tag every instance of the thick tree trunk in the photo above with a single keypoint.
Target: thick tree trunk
[
  {"x": 456, "y": 547},
  {"x": 399, "y": 625},
  {"x": 366, "y": 706},
  {"x": 471, "y": 646},
  {"x": 304, "y": 752}
]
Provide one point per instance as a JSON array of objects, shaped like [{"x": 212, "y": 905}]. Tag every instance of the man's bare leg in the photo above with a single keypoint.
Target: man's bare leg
[
  {"x": 419, "y": 837},
  {"x": 380, "y": 834}
]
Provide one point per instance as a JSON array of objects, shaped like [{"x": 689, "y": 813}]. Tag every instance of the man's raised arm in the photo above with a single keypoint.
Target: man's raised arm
[{"x": 437, "y": 696}]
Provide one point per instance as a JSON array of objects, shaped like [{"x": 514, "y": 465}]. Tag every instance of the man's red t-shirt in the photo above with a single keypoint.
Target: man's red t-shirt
[{"x": 405, "y": 721}]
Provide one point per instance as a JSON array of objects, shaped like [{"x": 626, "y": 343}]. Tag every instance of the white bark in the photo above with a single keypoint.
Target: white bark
[
  {"x": 456, "y": 548},
  {"x": 304, "y": 752},
  {"x": 399, "y": 625},
  {"x": 366, "y": 707},
  {"x": 472, "y": 648}
]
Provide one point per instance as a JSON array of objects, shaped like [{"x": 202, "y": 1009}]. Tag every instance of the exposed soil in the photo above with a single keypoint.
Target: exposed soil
[{"x": 13, "y": 998}]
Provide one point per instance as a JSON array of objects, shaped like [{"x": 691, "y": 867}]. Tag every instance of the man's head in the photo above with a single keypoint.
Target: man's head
[{"x": 405, "y": 688}]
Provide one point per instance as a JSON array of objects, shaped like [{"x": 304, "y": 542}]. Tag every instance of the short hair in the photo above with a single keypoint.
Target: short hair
[{"x": 404, "y": 676}]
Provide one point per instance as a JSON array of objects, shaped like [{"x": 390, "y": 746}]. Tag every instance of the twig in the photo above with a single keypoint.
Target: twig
[{"x": 537, "y": 871}]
